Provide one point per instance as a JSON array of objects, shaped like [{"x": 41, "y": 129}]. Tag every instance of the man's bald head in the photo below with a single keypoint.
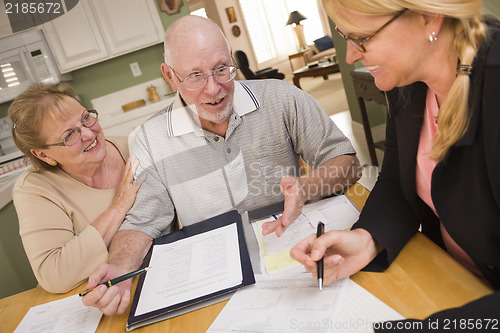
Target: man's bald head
[{"x": 189, "y": 31}]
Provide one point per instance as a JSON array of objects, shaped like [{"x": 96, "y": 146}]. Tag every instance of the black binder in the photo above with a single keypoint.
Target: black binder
[{"x": 193, "y": 304}]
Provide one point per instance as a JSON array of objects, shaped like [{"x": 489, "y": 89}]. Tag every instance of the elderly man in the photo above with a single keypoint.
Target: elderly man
[{"x": 222, "y": 145}]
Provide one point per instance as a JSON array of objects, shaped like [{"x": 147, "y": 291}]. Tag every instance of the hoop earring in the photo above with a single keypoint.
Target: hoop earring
[
  {"x": 432, "y": 37},
  {"x": 53, "y": 163}
]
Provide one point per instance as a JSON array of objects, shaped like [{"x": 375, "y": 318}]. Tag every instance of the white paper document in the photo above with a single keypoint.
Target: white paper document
[
  {"x": 296, "y": 305},
  {"x": 360, "y": 309},
  {"x": 197, "y": 266},
  {"x": 273, "y": 244},
  {"x": 337, "y": 213},
  {"x": 275, "y": 305},
  {"x": 61, "y": 316}
]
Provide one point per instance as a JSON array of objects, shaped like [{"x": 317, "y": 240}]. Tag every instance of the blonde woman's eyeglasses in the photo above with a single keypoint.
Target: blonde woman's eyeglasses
[{"x": 359, "y": 42}]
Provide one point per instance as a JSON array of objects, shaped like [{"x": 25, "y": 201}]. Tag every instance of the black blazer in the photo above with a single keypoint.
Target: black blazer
[{"x": 465, "y": 184}]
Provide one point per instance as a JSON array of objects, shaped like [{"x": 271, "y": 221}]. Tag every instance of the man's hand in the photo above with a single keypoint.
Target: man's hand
[
  {"x": 112, "y": 300},
  {"x": 294, "y": 201},
  {"x": 328, "y": 178},
  {"x": 126, "y": 254}
]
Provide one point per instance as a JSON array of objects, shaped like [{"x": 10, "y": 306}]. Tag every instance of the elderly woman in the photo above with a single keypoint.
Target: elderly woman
[
  {"x": 73, "y": 199},
  {"x": 438, "y": 60}
]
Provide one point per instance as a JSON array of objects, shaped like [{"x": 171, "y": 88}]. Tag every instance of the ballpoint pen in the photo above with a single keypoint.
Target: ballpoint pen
[
  {"x": 319, "y": 263},
  {"x": 114, "y": 281}
]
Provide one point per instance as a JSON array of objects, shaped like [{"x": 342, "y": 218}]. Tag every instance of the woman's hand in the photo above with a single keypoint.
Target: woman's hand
[
  {"x": 110, "y": 220},
  {"x": 127, "y": 190},
  {"x": 345, "y": 252}
]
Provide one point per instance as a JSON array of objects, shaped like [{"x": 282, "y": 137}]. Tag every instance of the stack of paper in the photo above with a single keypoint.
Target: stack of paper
[
  {"x": 287, "y": 298},
  {"x": 337, "y": 213},
  {"x": 295, "y": 304}
]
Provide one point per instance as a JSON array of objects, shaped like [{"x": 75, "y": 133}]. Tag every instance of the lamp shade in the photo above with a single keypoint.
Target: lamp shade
[{"x": 295, "y": 17}]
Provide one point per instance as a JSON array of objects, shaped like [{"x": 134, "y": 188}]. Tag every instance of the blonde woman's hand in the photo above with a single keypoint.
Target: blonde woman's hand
[{"x": 345, "y": 253}]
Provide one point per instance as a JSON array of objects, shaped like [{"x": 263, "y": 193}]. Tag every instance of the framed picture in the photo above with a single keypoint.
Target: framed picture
[
  {"x": 231, "y": 15},
  {"x": 236, "y": 31},
  {"x": 170, "y": 6}
]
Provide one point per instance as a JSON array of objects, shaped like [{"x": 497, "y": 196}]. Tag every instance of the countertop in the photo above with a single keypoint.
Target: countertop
[
  {"x": 7, "y": 182},
  {"x": 118, "y": 116}
]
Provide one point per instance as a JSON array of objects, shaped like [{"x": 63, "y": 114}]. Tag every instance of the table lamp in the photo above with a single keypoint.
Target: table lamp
[{"x": 295, "y": 18}]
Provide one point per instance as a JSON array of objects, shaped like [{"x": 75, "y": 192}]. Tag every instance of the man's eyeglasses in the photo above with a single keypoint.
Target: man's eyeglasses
[
  {"x": 197, "y": 81},
  {"x": 74, "y": 135},
  {"x": 359, "y": 42}
]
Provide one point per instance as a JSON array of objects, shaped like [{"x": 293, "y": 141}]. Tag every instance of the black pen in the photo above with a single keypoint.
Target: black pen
[
  {"x": 319, "y": 263},
  {"x": 114, "y": 281}
]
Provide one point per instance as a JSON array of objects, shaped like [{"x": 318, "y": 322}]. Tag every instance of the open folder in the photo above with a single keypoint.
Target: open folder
[{"x": 191, "y": 268}]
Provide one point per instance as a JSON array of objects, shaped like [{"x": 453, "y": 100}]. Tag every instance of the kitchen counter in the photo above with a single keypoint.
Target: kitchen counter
[
  {"x": 116, "y": 122},
  {"x": 119, "y": 123},
  {"x": 7, "y": 182}
]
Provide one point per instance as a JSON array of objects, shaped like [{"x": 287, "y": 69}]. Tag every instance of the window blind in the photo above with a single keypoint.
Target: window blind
[{"x": 266, "y": 25}]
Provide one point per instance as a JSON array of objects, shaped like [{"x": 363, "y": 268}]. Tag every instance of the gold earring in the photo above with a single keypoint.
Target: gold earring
[{"x": 53, "y": 163}]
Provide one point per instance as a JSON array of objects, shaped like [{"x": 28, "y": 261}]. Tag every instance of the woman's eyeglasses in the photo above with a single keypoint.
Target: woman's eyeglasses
[
  {"x": 74, "y": 135},
  {"x": 359, "y": 42}
]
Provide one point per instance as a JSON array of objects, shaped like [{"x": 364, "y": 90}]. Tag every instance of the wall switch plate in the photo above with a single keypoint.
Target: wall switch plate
[{"x": 136, "y": 70}]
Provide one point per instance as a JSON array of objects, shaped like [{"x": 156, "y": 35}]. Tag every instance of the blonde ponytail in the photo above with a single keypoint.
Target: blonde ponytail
[{"x": 453, "y": 116}]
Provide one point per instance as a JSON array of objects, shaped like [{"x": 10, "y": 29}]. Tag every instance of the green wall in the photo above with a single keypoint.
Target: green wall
[
  {"x": 115, "y": 74},
  {"x": 492, "y": 6},
  {"x": 376, "y": 113},
  {"x": 16, "y": 274}
]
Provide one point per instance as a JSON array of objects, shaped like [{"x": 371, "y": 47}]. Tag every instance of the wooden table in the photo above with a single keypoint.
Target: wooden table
[
  {"x": 299, "y": 56},
  {"x": 422, "y": 280},
  {"x": 319, "y": 70}
]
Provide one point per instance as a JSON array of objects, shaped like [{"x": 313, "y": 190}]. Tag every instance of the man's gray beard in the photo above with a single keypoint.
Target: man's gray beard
[{"x": 217, "y": 118}]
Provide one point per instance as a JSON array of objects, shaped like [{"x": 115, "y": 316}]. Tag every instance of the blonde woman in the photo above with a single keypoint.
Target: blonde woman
[
  {"x": 439, "y": 61},
  {"x": 74, "y": 197}
]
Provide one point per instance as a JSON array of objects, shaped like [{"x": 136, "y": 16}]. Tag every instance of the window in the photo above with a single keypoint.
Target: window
[
  {"x": 266, "y": 24},
  {"x": 197, "y": 7},
  {"x": 199, "y": 12}
]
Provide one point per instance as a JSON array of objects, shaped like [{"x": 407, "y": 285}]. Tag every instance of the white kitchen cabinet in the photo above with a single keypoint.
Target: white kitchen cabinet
[
  {"x": 128, "y": 24},
  {"x": 97, "y": 30},
  {"x": 74, "y": 38}
]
